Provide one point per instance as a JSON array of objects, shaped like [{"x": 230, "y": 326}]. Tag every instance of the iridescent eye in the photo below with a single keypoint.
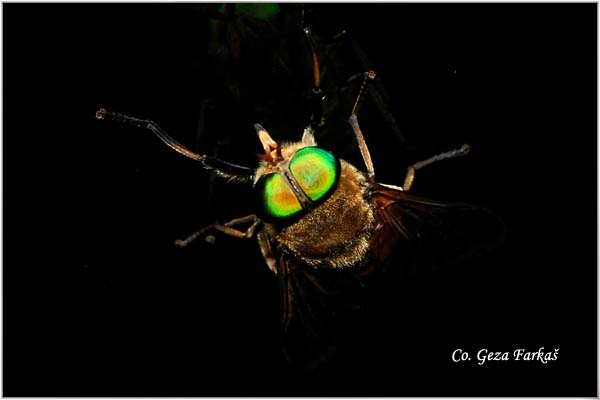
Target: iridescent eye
[
  {"x": 316, "y": 171},
  {"x": 276, "y": 199}
]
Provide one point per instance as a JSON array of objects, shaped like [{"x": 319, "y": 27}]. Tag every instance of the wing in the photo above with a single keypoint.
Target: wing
[
  {"x": 318, "y": 307},
  {"x": 322, "y": 309},
  {"x": 428, "y": 232}
]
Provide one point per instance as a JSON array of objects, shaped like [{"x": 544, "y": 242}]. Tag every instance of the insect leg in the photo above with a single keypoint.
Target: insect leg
[
  {"x": 377, "y": 92},
  {"x": 225, "y": 228},
  {"x": 316, "y": 100},
  {"x": 362, "y": 145},
  {"x": 222, "y": 168},
  {"x": 410, "y": 174},
  {"x": 265, "y": 249}
]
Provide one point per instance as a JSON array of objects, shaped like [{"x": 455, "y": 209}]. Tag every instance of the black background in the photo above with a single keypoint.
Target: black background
[{"x": 98, "y": 300}]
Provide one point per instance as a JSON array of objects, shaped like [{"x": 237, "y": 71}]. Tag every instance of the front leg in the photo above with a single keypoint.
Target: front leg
[
  {"x": 225, "y": 228},
  {"x": 261, "y": 236}
]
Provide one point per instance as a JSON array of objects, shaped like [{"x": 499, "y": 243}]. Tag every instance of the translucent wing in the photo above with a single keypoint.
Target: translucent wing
[
  {"x": 318, "y": 306},
  {"x": 429, "y": 233}
]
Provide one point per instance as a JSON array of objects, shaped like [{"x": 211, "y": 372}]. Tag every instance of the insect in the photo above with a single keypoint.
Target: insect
[{"x": 321, "y": 223}]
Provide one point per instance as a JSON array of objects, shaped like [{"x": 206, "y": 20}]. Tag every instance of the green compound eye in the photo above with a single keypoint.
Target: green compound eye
[
  {"x": 276, "y": 199},
  {"x": 316, "y": 171}
]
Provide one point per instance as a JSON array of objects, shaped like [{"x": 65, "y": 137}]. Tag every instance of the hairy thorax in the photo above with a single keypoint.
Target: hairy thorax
[{"x": 337, "y": 232}]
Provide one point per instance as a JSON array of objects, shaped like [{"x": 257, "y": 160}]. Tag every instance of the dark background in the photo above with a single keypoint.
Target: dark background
[{"x": 98, "y": 300}]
